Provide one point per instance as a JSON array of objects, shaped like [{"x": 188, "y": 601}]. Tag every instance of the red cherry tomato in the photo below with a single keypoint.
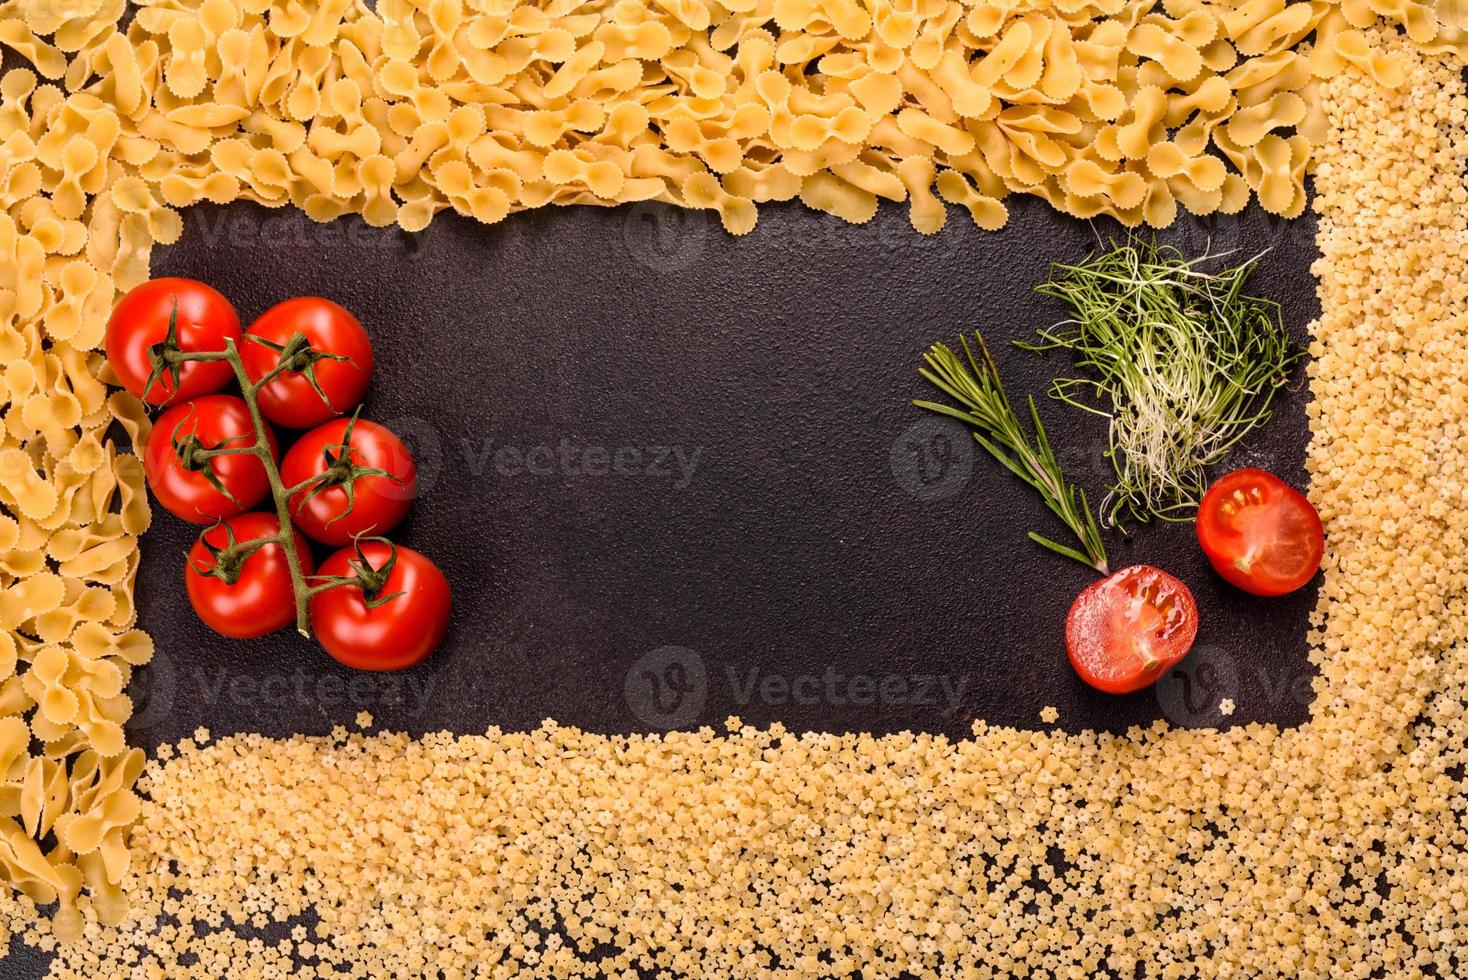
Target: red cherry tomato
[
  {"x": 254, "y": 596},
  {"x": 138, "y": 334},
  {"x": 378, "y": 503},
  {"x": 1260, "y": 533},
  {"x": 1126, "y": 630},
  {"x": 337, "y": 356},
  {"x": 394, "y": 625},
  {"x": 207, "y": 490}
]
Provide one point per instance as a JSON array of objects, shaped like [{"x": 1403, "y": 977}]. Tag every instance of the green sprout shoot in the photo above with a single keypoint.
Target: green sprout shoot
[{"x": 1181, "y": 361}]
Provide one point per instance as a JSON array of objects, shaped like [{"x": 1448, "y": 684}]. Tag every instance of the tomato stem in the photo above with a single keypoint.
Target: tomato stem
[
  {"x": 177, "y": 356},
  {"x": 201, "y": 454},
  {"x": 229, "y": 560},
  {"x": 371, "y": 580},
  {"x": 281, "y": 367},
  {"x": 342, "y": 470},
  {"x": 306, "y": 484},
  {"x": 250, "y": 391},
  {"x": 294, "y": 352},
  {"x": 327, "y": 584}
]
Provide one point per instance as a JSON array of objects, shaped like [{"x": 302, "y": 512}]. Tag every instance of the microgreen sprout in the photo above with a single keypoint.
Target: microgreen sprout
[{"x": 1181, "y": 361}]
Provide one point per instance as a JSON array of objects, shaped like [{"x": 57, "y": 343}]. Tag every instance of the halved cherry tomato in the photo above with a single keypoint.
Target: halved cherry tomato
[
  {"x": 243, "y": 596},
  {"x": 331, "y": 358},
  {"x": 143, "y": 329},
  {"x": 1260, "y": 533},
  {"x": 396, "y": 622},
  {"x": 205, "y": 490},
  {"x": 379, "y": 497},
  {"x": 1126, "y": 630}
]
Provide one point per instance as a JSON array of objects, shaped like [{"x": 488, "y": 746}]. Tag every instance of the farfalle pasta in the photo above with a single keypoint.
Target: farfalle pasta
[{"x": 489, "y": 107}]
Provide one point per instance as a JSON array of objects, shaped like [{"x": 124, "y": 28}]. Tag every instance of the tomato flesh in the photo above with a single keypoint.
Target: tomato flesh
[
  {"x": 139, "y": 324},
  {"x": 1126, "y": 630},
  {"x": 216, "y": 422},
  {"x": 289, "y": 399},
  {"x": 1259, "y": 533},
  {"x": 397, "y": 633},
  {"x": 261, "y": 600}
]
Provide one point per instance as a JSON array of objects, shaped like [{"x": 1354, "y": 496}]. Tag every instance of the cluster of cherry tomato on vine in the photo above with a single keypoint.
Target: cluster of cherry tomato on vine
[
  {"x": 343, "y": 483},
  {"x": 1259, "y": 533}
]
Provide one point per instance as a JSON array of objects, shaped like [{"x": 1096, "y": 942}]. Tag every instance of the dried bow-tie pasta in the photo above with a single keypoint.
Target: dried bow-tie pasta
[{"x": 399, "y": 110}]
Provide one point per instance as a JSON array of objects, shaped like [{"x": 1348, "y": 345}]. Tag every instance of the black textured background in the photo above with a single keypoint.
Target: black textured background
[{"x": 836, "y": 559}]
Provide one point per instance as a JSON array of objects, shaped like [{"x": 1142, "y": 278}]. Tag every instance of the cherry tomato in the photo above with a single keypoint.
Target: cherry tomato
[
  {"x": 394, "y": 624},
  {"x": 206, "y": 490},
  {"x": 1260, "y": 533},
  {"x": 378, "y": 503},
  {"x": 336, "y": 356},
  {"x": 254, "y": 596},
  {"x": 143, "y": 329},
  {"x": 1126, "y": 630}
]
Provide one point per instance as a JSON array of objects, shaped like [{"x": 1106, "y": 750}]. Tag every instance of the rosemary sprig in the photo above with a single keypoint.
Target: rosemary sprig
[
  {"x": 1182, "y": 362},
  {"x": 977, "y": 386}
]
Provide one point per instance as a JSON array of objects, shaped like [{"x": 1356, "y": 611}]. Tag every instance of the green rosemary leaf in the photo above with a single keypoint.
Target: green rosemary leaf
[{"x": 974, "y": 382}]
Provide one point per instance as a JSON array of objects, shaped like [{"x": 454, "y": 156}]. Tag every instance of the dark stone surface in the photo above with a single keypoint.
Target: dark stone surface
[{"x": 800, "y": 536}]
